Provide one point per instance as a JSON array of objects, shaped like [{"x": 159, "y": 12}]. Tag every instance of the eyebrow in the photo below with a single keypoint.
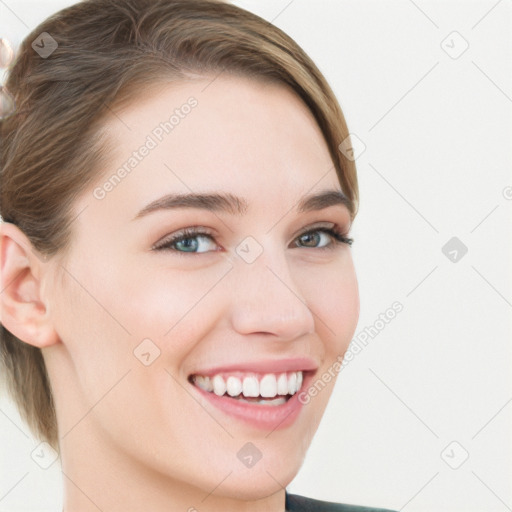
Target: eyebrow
[{"x": 229, "y": 203}]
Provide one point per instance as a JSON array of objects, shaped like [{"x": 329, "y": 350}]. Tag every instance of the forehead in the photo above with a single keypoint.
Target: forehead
[{"x": 228, "y": 133}]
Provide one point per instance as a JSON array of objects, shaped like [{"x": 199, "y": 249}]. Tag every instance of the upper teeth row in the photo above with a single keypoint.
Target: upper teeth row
[{"x": 269, "y": 386}]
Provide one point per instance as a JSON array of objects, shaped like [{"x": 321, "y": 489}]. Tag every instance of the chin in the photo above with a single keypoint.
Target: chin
[
  {"x": 269, "y": 475},
  {"x": 255, "y": 486}
]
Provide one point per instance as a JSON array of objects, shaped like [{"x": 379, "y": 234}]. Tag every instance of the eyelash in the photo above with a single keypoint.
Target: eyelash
[{"x": 338, "y": 238}]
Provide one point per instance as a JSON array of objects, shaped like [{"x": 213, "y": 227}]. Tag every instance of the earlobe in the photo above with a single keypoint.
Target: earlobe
[{"x": 22, "y": 310}]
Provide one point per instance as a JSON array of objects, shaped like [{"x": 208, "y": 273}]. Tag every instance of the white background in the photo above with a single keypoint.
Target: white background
[{"x": 437, "y": 164}]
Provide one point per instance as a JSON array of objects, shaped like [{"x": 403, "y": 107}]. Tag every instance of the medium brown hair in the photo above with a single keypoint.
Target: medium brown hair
[{"x": 52, "y": 148}]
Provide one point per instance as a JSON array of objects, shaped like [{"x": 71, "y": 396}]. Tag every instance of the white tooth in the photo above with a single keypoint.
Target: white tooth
[
  {"x": 208, "y": 384},
  {"x": 251, "y": 387},
  {"x": 282, "y": 384},
  {"x": 268, "y": 386},
  {"x": 199, "y": 382},
  {"x": 219, "y": 386},
  {"x": 299, "y": 380},
  {"x": 292, "y": 383},
  {"x": 234, "y": 386}
]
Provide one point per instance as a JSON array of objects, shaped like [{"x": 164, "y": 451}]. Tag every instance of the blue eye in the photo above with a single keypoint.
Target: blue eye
[
  {"x": 191, "y": 243},
  {"x": 188, "y": 240}
]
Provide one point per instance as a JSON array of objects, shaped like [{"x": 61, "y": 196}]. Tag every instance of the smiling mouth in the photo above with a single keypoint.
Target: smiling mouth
[{"x": 268, "y": 389}]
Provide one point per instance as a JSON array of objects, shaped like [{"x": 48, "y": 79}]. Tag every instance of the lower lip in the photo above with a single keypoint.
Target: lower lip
[{"x": 265, "y": 417}]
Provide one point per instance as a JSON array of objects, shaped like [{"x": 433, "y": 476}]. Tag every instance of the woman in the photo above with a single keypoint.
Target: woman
[{"x": 176, "y": 263}]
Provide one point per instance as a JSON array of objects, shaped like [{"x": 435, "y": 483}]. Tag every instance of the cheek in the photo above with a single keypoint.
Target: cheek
[
  {"x": 333, "y": 296},
  {"x": 331, "y": 291},
  {"x": 105, "y": 315},
  {"x": 171, "y": 306}
]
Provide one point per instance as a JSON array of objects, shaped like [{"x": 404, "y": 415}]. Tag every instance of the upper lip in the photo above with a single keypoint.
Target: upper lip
[{"x": 263, "y": 366}]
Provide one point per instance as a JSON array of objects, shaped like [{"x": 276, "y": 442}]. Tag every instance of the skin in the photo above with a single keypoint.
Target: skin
[{"x": 131, "y": 436}]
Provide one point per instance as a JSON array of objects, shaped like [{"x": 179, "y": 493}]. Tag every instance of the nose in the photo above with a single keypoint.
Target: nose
[{"x": 266, "y": 299}]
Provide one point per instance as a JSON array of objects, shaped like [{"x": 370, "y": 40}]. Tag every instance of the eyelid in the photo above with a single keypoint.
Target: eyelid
[{"x": 317, "y": 225}]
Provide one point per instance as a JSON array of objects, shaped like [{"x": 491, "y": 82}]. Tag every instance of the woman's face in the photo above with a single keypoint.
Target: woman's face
[{"x": 247, "y": 299}]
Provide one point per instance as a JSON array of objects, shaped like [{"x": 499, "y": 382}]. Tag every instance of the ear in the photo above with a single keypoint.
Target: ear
[{"x": 22, "y": 309}]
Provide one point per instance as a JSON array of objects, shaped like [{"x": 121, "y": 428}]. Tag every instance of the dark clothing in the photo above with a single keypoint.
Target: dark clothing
[{"x": 295, "y": 503}]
